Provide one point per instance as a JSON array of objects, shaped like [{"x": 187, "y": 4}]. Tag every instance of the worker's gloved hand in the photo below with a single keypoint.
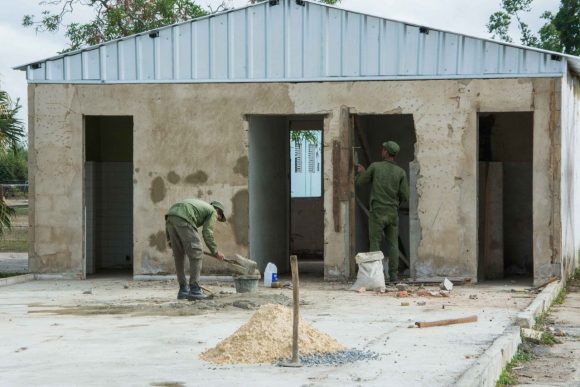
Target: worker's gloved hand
[
  {"x": 360, "y": 168},
  {"x": 219, "y": 255}
]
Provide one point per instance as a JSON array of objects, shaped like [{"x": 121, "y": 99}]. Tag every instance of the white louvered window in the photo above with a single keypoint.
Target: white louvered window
[{"x": 306, "y": 163}]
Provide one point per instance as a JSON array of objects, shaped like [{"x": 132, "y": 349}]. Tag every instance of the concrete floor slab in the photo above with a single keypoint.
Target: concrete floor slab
[{"x": 122, "y": 332}]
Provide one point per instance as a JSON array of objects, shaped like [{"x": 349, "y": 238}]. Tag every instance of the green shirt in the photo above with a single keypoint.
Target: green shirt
[
  {"x": 198, "y": 213},
  {"x": 389, "y": 184}
]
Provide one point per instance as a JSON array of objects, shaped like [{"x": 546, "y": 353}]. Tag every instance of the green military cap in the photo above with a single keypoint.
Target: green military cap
[
  {"x": 392, "y": 147},
  {"x": 221, "y": 207}
]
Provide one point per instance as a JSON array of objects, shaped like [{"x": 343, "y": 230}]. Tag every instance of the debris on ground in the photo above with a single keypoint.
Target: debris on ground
[
  {"x": 88, "y": 292},
  {"x": 446, "y": 285},
  {"x": 404, "y": 304},
  {"x": 473, "y": 296},
  {"x": 422, "y": 303},
  {"x": 338, "y": 358},
  {"x": 267, "y": 338},
  {"x": 439, "y": 323},
  {"x": 532, "y": 335},
  {"x": 402, "y": 287},
  {"x": 361, "y": 290},
  {"x": 402, "y": 294}
]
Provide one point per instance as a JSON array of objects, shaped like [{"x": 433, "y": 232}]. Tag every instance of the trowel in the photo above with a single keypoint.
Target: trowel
[{"x": 238, "y": 264}]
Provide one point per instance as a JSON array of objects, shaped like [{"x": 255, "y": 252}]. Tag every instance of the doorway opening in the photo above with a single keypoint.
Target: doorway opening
[
  {"x": 108, "y": 194},
  {"x": 505, "y": 195},
  {"x": 286, "y": 191},
  {"x": 370, "y": 132}
]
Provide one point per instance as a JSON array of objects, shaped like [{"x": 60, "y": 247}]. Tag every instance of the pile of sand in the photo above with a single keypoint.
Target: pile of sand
[{"x": 267, "y": 337}]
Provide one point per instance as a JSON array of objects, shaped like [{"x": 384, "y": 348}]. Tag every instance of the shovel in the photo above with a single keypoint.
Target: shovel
[{"x": 238, "y": 264}]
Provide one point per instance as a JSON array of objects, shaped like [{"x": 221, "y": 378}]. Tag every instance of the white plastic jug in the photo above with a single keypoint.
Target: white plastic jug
[{"x": 270, "y": 274}]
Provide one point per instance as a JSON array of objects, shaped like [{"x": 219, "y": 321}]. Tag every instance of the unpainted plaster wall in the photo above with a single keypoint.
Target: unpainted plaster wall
[
  {"x": 192, "y": 140},
  {"x": 570, "y": 184}
]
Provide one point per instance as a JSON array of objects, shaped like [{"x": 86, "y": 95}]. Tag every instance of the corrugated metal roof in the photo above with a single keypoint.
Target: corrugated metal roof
[{"x": 295, "y": 41}]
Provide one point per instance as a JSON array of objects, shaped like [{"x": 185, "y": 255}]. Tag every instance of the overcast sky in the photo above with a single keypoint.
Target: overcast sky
[{"x": 19, "y": 45}]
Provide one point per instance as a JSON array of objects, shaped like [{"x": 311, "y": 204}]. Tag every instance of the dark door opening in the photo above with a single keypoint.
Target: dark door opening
[
  {"x": 370, "y": 131},
  {"x": 286, "y": 199},
  {"x": 108, "y": 194},
  {"x": 505, "y": 194}
]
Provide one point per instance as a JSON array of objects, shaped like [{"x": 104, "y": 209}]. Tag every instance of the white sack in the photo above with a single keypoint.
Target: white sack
[{"x": 370, "y": 271}]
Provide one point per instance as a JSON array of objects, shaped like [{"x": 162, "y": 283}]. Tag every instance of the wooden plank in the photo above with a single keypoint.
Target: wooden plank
[
  {"x": 336, "y": 185},
  {"x": 346, "y": 167},
  {"x": 493, "y": 230},
  {"x": 440, "y": 323},
  {"x": 362, "y": 139}
]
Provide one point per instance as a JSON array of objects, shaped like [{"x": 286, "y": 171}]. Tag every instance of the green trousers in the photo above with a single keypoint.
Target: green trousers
[
  {"x": 184, "y": 240},
  {"x": 385, "y": 221}
]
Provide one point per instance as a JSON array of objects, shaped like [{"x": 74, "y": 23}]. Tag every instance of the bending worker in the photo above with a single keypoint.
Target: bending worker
[
  {"x": 389, "y": 188},
  {"x": 181, "y": 227}
]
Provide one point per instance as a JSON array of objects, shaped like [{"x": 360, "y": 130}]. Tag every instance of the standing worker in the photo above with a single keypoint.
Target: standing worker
[
  {"x": 181, "y": 228},
  {"x": 389, "y": 188}
]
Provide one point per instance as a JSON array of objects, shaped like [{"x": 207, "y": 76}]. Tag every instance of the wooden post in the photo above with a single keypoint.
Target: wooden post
[
  {"x": 296, "y": 310},
  {"x": 295, "y": 362}
]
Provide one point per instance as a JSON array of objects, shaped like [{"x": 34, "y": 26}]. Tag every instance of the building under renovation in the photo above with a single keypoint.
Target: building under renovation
[{"x": 267, "y": 108}]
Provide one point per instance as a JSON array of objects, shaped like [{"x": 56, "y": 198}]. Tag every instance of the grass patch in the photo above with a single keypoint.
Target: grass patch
[
  {"x": 549, "y": 339},
  {"x": 6, "y": 275},
  {"x": 541, "y": 320},
  {"x": 561, "y": 296},
  {"x": 14, "y": 246},
  {"x": 507, "y": 378},
  {"x": 20, "y": 211}
]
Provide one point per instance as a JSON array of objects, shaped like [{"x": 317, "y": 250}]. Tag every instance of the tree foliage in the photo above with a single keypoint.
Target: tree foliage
[
  {"x": 117, "y": 18},
  {"x": 14, "y": 165},
  {"x": 11, "y": 134},
  {"x": 11, "y": 127},
  {"x": 112, "y": 18},
  {"x": 560, "y": 32}
]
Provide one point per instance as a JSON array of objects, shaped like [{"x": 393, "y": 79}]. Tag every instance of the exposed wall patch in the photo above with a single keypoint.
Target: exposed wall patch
[
  {"x": 158, "y": 241},
  {"x": 198, "y": 177},
  {"x": 241, "y": 167},
  {"x": 239, "y": 218},
  {"x": 158, "y": 190},
  {"x": 173, "y": 177}
]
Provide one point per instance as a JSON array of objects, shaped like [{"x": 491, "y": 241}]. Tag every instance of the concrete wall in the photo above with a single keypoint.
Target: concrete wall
[
  {"x": 570, "y": 184},
  {"x": 192, "y": 140}
]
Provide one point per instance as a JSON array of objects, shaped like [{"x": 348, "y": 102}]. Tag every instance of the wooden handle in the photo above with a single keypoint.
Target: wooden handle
[
  {"x": 296, "y": 311},
  {"x": 440, "y": 323}
]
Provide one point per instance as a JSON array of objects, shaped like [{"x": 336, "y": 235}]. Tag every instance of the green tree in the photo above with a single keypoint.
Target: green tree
[
  {"x": 11, "y": 133},
  {"x": 560, "y": 32},
  {"x": 331, "y": 2},
  {"x": 117, "y": 18},
  {"x": 112, "y": 18}
]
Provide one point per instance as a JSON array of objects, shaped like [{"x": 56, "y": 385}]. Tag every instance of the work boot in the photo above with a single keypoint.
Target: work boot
[
  {"x": 183, "y": 293},
  {"x": 195, "y": 293},
  {"x": 393, "y": 278}
]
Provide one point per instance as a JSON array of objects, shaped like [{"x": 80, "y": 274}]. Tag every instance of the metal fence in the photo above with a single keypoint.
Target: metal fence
[{"x": 14, "y": 190}]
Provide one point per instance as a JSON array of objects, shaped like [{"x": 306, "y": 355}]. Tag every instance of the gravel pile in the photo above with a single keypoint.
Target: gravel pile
[
  {"x": 338, "y": 358},
  {"x": 267, "y": 338}
]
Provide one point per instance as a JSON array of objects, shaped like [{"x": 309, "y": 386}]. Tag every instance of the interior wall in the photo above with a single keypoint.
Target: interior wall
[
  {"x": 506, "y": 140},
  {"x": 269, "y": 191},
  {"x": 307, "y": 228},
  {"x": 108, "y": 193},
  {"x": 374, "y": 130}
]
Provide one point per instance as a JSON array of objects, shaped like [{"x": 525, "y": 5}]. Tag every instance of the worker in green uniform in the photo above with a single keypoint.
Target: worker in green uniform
[
  {"x": 181, "y": 227},
  {"x": 389, "y": 188}
]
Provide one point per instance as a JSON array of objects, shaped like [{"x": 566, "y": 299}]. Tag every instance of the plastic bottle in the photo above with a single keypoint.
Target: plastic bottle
[{"x": 270, "y": 274}]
